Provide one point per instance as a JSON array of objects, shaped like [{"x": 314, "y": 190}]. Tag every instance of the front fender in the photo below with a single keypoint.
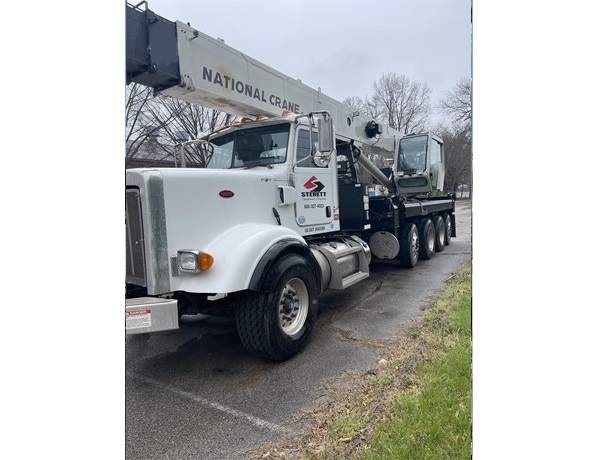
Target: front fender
[
  {"x": 237, "y": 253},
  {"x": 274, "y": 252}
]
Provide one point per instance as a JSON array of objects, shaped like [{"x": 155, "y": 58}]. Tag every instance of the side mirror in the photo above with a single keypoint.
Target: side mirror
[{"x": 326, "y": 134}]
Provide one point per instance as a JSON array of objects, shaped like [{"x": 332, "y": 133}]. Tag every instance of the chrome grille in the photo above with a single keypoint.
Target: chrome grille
[{"x": 135, "y": 253}]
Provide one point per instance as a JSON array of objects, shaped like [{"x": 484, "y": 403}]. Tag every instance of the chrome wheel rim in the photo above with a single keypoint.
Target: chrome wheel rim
[
  {"x": 441, "y": 233},
  {"x": 430, "y": 239},
  {"x": 414, "y": 246},
  {"x": 293, "y": 306}
]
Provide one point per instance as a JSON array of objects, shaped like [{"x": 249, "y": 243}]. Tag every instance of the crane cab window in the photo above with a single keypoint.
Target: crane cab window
[
  {"x": 436, "y": 163},
  {"x": 435, "y": 153},
  {"x": 412, "y": 154}
]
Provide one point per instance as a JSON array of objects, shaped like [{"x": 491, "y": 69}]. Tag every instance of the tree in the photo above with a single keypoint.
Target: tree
[
  {"x": 457, "y": 104},
  {"x": 403, "y": 103},
  {"x": 458, "y": 157},
  {"x": 181, "y": 121},
  {"x": 364, "y": 106},
  {"x": 355, "y": 102},
  {"x": 156, "y": 124},
  {"x": 139, "y": 126}
]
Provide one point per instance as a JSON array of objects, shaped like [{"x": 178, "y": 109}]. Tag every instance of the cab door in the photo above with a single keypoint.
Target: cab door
[
  {"x": 315, "y": 183},
  {"x": 437, "y": 169}
]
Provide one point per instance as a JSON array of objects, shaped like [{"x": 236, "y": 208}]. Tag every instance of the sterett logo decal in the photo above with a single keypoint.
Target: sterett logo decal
[
  {"x": 312, "y": 183},
  {"x": 314, "y": 186}
]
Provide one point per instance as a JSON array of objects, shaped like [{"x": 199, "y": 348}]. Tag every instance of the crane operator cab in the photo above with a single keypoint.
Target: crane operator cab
[{"x": 420, "y": 166}]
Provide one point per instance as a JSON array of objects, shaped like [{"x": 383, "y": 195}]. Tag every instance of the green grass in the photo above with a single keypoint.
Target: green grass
[
  {"x": 415, "y": 405},
  {"x": 432, "y": 418}
]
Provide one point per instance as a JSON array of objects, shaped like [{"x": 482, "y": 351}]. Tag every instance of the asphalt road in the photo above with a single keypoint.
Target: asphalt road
[{"x": 196, "y": 393}]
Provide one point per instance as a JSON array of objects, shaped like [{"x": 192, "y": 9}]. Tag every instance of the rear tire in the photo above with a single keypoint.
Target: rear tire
[
  {"x": 440, "y": 233},
  {"x": 448, "y": 225},
  {"x": 427, "y": 247},
  {"x": 276, "y": 323},
  {"x": 409, "y": 246}
]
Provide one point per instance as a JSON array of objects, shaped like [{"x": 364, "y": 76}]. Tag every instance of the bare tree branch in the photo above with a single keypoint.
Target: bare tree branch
[
  {"x": 403, "y": 104},
  {"x": 364, "y": 106},
  {"x": 156, "y": 124},
  {"x": 458, "y": 156},
  {"x": 138, "y": 128},
  {"x": 457, "y": 104}
]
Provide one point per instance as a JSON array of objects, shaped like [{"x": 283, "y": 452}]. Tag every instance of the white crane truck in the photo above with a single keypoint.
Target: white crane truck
[{"x": 280, "y": 211}]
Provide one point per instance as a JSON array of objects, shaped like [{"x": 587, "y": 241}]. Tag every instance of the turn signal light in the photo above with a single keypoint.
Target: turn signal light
[{"x": 205, "y": 261}]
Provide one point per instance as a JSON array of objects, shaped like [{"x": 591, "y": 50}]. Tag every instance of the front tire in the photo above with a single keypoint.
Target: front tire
[{"x": 277, "y": 322}]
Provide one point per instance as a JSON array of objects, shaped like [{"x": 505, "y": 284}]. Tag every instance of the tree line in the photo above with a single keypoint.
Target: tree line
[{"x": 156, "y": 124}]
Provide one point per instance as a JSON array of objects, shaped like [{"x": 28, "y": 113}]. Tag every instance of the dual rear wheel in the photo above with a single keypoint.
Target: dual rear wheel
[
  {"x": 448, "y": 225},
  {"x": 428, "y": 237},
  {"x": 424, "y": 240},
  {"x": 440, "y": 233}
]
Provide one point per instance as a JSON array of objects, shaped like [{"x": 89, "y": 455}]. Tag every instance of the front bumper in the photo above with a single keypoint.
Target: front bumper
[{"x": 150, "y": 314}]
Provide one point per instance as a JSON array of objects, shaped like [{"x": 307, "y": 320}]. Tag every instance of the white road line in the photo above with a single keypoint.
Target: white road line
[{"x": 214, "y": 405}]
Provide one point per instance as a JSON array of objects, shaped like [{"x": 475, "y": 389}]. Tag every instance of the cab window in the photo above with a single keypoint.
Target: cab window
[{"x": 303, "y": 148}]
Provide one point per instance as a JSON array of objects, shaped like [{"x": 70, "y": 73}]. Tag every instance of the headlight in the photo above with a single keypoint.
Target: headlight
[{"x": 193, "y": 261}]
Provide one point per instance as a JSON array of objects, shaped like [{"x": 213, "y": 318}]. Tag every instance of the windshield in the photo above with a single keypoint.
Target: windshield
[
  {"x": 250, "y": 147},
  {"x": 412, "y": 154}
]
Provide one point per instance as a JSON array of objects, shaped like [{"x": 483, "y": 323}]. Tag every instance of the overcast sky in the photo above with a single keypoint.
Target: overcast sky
[{"x": 342, "y": 46}]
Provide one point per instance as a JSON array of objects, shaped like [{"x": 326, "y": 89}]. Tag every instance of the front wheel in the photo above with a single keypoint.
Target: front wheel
[{"x": 276, "y": 323}]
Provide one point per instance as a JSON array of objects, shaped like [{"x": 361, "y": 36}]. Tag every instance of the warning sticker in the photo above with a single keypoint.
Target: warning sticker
[{"x": 138, "y": 319}]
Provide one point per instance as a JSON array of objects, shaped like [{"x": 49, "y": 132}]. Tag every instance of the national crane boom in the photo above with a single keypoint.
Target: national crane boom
[{"x": 189, "y": 65}]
